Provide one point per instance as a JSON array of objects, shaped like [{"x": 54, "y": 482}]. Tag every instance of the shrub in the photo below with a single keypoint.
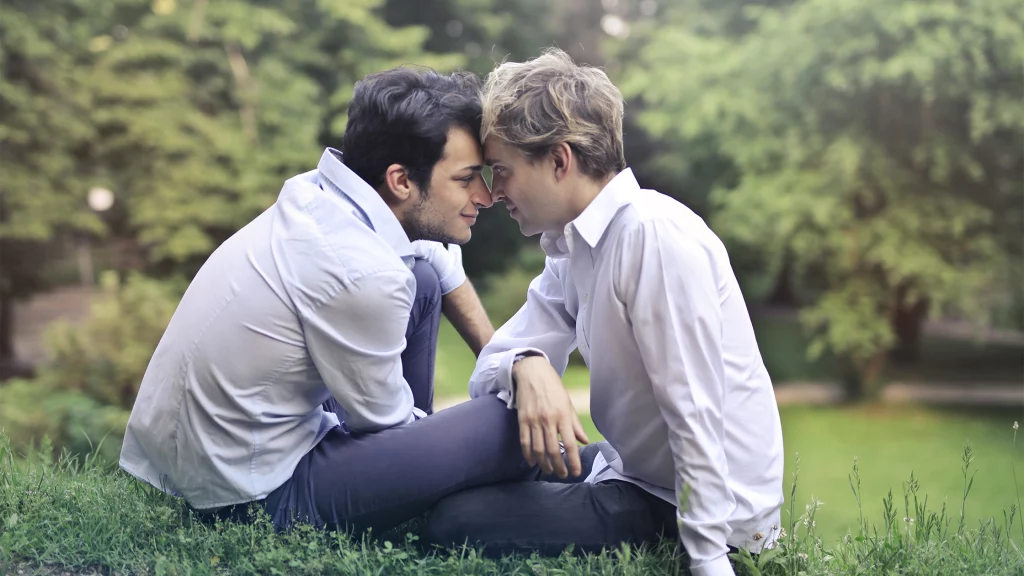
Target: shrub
[{"x": 83, "y": 395}]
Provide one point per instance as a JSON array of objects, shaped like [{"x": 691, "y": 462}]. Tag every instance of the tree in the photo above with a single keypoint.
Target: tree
[
  {"x": 44, "y": 144},
  {"x": 205, "y": 108},
  {"x": 193, "y": 112},
  {"x": 878, "y": 151}
]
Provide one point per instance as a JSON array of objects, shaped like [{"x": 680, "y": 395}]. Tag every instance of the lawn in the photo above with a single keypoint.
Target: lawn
[
  {"x": 890, "y": 444},
  {"x": 82, "y": 519}
]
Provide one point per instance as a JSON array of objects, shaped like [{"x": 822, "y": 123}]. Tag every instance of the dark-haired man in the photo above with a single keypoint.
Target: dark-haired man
[{"x": 297, "y": 371}]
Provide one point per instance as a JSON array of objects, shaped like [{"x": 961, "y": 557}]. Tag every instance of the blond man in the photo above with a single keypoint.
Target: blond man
[{"x": 644, "y": 289}]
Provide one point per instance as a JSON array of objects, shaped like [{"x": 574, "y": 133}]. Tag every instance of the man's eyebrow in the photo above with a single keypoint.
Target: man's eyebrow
[{"x": 474, "y": 168}]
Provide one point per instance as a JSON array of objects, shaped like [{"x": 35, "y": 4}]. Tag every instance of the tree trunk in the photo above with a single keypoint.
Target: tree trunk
[
  {"x": 8, "y": 367},
  {"x": 6, "y": 329},
  {"x": 862, "y": 380},
  {"x": 783, "y": 293},
  {"x": 908, "y": 325}
]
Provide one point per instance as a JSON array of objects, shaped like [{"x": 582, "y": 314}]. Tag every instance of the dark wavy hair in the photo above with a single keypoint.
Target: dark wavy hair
[{"x": 403, "y": 116}]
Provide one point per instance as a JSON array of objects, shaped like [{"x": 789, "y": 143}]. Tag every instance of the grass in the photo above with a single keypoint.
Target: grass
[
  {"x": 890, "y": 444},
  {"x": 78, "y": 516},
  {"x": 840, "y": 517}
]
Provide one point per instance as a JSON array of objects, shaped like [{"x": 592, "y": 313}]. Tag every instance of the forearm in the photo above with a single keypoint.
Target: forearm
[{"x": 464, "y": 310}]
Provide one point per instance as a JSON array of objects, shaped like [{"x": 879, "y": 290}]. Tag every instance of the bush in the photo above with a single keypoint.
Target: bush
[
  {"x": 504, "y": 294},
  {"x": 30, "y": 412},
  {"x": 83, "y": 395},
  {"x": 106, "y": 357}
]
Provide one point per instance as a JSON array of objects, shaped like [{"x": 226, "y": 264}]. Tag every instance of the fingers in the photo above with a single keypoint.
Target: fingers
[
  {"x": 577, "y": 428},
  {"x": 572, "y": 452},
  {"x": 554, "y": 449},
  {"x": 524, "y": 440},
  {"x": 540, "y": 453}
]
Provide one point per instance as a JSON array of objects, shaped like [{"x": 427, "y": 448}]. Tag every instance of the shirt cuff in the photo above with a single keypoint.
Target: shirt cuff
[
  {"x": 718, "y": 567},
  {"x": 507, "y": 391},
  {"x": 417, "y": 414}
]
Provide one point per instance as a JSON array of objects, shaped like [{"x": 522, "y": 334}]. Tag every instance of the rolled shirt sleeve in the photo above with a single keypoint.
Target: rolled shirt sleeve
[
  {"x": 356, "y": 339},
  {"x": 670, "y": 291}
]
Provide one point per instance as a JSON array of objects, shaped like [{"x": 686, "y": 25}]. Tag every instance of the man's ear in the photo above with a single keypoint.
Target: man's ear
[
  {"x": 398, "y": 187},
  {"x": 562, "y": 157}
]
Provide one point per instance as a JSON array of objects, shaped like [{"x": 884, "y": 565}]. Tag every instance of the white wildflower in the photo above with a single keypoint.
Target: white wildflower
[
  {"x": 1015, "y": 426},
  {"x": 802, "y": 556}
]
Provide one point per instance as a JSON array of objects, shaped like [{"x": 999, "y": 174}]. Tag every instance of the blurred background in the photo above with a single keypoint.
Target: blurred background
[{"x": 862, "y": 159}]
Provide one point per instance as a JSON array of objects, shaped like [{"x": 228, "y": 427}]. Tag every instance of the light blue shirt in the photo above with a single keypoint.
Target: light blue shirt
[{"x": 309, "y": 300}]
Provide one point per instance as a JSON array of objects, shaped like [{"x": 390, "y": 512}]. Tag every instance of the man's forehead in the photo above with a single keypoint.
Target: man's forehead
[{"x": 495, "y": 151}]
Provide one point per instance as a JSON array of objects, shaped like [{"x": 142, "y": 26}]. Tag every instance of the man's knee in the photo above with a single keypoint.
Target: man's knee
[
  {"x": 453, "y": 521},
  {"x": 428, "y": 285}
]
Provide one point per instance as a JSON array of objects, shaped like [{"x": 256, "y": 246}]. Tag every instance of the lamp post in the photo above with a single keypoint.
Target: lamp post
[{"x": 100, "y": 200}]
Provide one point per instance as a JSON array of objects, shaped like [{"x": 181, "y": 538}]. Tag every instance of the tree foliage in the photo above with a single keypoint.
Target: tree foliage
[{"x": 877, "y": 147}]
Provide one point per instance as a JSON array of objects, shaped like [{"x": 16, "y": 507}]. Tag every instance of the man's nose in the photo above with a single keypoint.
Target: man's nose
[
  {"x": 482, "y": 196},
  {"x": 497, "y": 191}
]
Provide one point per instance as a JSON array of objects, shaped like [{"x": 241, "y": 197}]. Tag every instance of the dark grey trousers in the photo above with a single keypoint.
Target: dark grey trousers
[
  {"x": 379, "y": 480},
  {"x": 549, "y": 514}
]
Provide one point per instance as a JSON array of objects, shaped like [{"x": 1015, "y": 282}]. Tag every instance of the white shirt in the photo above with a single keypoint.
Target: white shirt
[
  {"x": 645, "y": 290},
  {"x": 309, "y": 300}
]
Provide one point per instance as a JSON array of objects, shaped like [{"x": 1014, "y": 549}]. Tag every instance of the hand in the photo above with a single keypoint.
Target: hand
[
  {"x": 446, "y": 262},
  {"x": 545, "y": 412}
]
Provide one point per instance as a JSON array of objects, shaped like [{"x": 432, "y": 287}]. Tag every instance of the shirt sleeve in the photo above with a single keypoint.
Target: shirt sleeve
[
  {"x": 668, "y": 285},
  {"x": 542, "y": 326},
  {"x": 356, "y": 339}
]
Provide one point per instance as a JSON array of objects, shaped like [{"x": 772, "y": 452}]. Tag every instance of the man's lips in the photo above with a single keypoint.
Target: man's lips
[{"x": 469, "y": 217}]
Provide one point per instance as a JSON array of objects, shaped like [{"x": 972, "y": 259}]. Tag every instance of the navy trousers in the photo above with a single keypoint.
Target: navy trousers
[
  {"x": 376, "y": 481},
  {"x": 547, "y": 514}
]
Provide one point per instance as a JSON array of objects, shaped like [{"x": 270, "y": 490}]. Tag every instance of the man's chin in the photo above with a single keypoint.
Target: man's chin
[
  {"x": 461, "y": 238},
  {"x": 526, "y": 230}
]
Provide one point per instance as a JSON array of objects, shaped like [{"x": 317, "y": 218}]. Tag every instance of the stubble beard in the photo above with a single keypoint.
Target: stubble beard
[{"x": 424, "y": 223}]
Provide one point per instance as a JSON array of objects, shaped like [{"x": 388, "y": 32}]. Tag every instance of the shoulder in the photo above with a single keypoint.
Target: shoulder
[
  {"x": 324, "y": 246},
  {"x": 654, "y": 220}
]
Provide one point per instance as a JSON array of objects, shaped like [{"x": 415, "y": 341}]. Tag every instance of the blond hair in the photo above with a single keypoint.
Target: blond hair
[{"x": 540, "y": 103}]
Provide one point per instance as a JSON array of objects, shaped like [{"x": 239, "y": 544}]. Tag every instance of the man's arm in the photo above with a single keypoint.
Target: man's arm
[
  {"x": 356, "y": 339},
  {"x": 464, "y": 310},
  {"x": 541, "y": 328},
  {"x": 670, "y": 291}
]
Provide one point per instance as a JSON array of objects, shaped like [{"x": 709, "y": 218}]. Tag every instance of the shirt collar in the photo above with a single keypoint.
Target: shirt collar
[
  {"x": 381, "y": 219},
  {"x": 593, "y": 222}
]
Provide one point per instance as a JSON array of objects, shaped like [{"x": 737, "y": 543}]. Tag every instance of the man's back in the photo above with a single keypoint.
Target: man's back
[{"x": 232, "y": 397}]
